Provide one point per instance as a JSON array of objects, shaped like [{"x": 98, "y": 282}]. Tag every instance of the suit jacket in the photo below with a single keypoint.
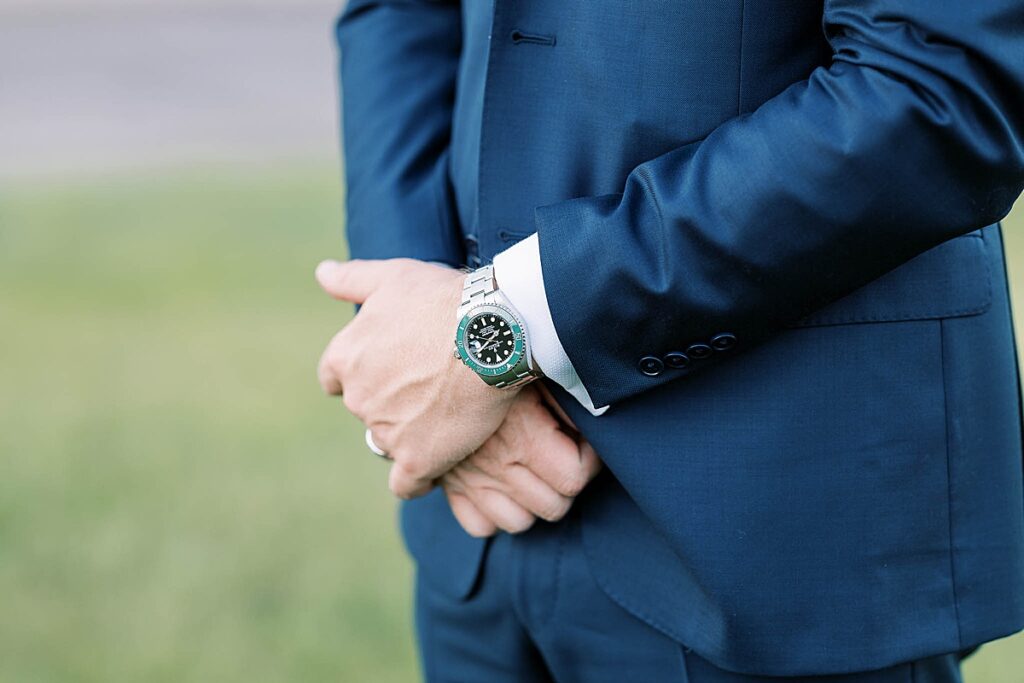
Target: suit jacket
[{"x": 835, "y": 487}]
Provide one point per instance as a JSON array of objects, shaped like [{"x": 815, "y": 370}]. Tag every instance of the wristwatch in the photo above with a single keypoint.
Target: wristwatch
[{"x": 491, "y": 337}]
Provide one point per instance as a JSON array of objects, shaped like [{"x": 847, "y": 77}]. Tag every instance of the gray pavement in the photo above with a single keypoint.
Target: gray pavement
[{"x": 100, "y": 86}]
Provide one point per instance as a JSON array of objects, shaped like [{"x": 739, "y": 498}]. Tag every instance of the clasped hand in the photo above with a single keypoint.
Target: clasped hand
[{"x": 503, "y": 457}]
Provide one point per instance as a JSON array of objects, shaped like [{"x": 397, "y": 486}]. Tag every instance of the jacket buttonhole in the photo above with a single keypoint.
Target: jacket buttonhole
[
  {"x": 535, "y": 38},
  {"x": 512, "y": 236}
]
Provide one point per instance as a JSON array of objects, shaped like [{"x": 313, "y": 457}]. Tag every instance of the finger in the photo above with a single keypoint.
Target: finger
[
  {"x": 555, "y": 406},
  {"x": 589, "y": 460},
  {"x": 374, "y": 443},
  {"x": 509, "y": 515},
  {"x": 352, "y": 281},
  {"x": 329, "y": 380},
  {"x": 557, "y": 459},
  {"x": 533, "y": 494},
  {"x": 405, "y": 485},
  {"x": 468, "y": 516}
]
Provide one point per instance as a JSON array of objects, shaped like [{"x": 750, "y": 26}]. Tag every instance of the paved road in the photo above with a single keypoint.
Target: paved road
[{"x": 107, "y": 87}]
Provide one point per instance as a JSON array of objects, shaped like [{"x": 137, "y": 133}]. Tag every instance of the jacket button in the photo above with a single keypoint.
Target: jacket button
[
  {"x": 723, "y": 342},
  {"x": 677, "y": 359},
  {"x": 651, "y": 366},
  {"x": 698, "y": 351}
]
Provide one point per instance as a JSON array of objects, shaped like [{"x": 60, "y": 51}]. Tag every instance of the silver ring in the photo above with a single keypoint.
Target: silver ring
[{"x": 374, "y": 447}]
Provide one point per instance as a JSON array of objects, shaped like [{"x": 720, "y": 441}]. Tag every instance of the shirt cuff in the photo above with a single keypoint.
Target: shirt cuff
[{"x": 519, "y": 276}]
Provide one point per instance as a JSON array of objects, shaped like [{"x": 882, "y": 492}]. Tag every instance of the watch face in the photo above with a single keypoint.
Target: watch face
[{"x": 490, "y": 339}]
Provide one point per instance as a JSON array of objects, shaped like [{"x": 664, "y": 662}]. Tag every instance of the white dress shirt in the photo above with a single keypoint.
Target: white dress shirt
[{"x": 518, "y": 273}]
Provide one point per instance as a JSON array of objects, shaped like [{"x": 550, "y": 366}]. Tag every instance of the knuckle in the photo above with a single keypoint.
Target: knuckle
[
  {"x": 555, "y": 511},
  {"x": 412, "y": 466},
  {"x": 511, "y": 456},
  {"x": 520, "y": 524},
  {"x": 352, "y": 402},
  {"x": 333, "y": 361},
  {"x": 326, "y": 378},
  {"x": 341, "y": 360},
  {"x": 382, "y": 437},
  {"x": 506, "y": 453},
  {"x": 336, "y": 359},
  {"x": 571, "y": 483},
  {"x": 400, "y": 491},
  {"x": 400, "y": 484},
  {"x": 478, "y": 530}
]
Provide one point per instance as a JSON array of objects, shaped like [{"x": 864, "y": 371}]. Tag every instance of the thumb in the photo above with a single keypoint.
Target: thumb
[{"x": 352, "y": 281}]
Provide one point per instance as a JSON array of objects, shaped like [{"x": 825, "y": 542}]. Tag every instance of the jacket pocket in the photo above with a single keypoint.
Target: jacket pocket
[{"x": 947, "y": 281}]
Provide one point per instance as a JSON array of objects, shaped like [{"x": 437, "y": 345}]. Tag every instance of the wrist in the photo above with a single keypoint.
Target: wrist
[{"x": 491, "y": 338}]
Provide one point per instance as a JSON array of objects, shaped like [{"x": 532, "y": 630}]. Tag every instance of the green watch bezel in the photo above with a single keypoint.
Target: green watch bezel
[{"x": 518, "y": 350}]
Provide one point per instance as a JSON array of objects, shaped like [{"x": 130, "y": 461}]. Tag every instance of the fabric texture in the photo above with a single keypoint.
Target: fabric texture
[
  {"x": 538, "y": 615},
  {"x": 767, "y": 238}
]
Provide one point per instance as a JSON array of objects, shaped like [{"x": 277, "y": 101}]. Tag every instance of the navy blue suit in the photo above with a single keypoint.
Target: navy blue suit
[{"x": 837, "y": 485}]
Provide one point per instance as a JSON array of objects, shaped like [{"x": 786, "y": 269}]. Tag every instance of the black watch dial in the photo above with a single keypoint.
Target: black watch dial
[{"x": 489, "y": 339}]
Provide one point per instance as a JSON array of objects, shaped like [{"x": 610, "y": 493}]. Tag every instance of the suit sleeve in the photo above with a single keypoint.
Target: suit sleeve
[
  {"x": 911, "y": 136},
  {"x": 398, "y": 68}
]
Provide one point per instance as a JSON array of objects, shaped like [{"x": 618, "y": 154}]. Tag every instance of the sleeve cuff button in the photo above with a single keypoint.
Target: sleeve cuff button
[
  {"x": 698, "y": 351},
  {"x": 723, "y": 341},
  {"x": 677, "y": 360},
  {"x": 651, "y": 366}
]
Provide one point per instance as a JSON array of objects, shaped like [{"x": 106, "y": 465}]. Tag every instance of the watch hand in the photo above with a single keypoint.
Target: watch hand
[
  {"x": 489, "y": 340},
  {"x": 489, "y": 345}
]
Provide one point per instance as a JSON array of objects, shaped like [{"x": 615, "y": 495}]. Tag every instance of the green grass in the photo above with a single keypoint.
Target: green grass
[{"x": 177, "y": 500}]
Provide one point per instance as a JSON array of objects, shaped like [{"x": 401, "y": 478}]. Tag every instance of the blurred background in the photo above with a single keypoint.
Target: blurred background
[{"x": 178, "y": 502}]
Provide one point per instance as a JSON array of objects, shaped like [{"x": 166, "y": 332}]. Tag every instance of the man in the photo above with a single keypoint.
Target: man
[{"x": 751, "y": 247}]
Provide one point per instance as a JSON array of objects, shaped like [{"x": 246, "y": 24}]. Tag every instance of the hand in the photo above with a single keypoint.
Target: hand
[
  {"x": 531, "y": 467},
  {"x": 394, "y": 367}
]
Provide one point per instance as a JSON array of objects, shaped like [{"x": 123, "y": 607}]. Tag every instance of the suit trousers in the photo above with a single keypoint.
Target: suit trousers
[{"x": 536, "y": 615}]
